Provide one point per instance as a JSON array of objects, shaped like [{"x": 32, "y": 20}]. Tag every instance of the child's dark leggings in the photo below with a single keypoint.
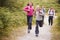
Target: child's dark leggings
[
  {"x": 50, "y": 20},
  {"x": 38, "y": 23},
  {"x": 29, "y": 22}
]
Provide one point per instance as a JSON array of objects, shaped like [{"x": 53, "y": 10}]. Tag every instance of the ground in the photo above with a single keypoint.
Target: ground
[{"x": 44, "y": 32}]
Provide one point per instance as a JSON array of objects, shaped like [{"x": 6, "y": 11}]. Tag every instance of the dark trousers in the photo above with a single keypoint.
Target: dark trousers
[
  {"x": 43, "y": 18},
  {"x": 50, "y": 20},
  {"x": 38, "y": 23},
  {"x": 29, "y": 22}
]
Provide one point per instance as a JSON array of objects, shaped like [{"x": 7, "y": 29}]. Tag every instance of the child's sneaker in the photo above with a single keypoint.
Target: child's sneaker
[
  {"x": 28, "y": 31},
  {"x": 36, "y": 35}
]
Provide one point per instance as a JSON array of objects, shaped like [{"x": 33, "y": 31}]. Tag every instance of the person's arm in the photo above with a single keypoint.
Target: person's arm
[
  {"x": 41, "y": 13},
  {"x": 54, "y": 12},
  {"x": 48, "y": 11},
  {"x": 33, "y": 8},
  {"x": 33, "y": 11},
  {"x": 25, "y": 9},
  {"x": 44, "y": 10}
]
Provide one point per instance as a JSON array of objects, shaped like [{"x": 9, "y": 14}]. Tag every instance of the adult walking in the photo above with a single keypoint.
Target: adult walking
[
  {"x": 29, "y": 9},
  {"x": 39, "y": 19},
  {"x": 51, "y": 13}
]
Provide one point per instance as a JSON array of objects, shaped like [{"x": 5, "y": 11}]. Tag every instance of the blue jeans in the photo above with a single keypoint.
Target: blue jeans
[
  {"x": 29, "y": 22},
  {"x": 38, "y": 23}
]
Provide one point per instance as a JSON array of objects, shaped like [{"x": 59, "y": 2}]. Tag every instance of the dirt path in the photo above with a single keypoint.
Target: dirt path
[{"x": 44, "y": 34}]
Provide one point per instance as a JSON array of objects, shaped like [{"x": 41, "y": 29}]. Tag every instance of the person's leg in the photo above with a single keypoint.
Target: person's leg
[
  {"x": 43, "y": 19},
  {"x": 41, "y": 23},
  {"x": 27, "y": 20},
  {"x": 51, "y": 20},
  {"x": 36, "y": 29},
  {"x": 30, "y": 22}
]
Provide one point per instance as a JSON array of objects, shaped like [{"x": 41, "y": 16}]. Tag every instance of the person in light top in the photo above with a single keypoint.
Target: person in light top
[
  {"x": 51, "y": 13},
  {"x": 39, "y": 19}
]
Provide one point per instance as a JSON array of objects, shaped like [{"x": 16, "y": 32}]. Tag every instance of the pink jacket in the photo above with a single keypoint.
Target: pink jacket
[{"x": 29, "y": 10}]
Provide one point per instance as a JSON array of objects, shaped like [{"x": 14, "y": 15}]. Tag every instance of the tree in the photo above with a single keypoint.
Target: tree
[
  {"x": 2, "y": 3},
  {"x": 12, "y": 3},
  {"x": 59, "y": 1}
]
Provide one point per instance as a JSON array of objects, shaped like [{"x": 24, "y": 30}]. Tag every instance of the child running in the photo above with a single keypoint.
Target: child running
[
  {"x": 29, "y": 9},
  {"x": 39, "y": 19}
]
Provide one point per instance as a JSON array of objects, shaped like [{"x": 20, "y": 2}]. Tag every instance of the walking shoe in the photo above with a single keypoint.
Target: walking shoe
[
  {"x": 36, "y": 35},
  {"x": 28, "y": 31}
]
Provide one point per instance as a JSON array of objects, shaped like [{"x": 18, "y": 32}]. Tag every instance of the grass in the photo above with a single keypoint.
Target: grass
[{"x": 56, "y": 29}]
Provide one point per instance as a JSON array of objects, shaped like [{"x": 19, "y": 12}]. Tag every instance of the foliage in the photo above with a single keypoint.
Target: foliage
[
  {"x": 11, "y": 16},
  {"x": 58, "y": 23},
  {"x": 59, "y": 1},
  {"x": 18, "y": 4},
  {"x": 10, "y": 20}
]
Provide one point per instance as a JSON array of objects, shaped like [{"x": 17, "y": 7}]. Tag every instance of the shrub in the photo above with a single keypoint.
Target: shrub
[
  {"x": 10, "y": 20},
  {"x": 59, "y": 1}
]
